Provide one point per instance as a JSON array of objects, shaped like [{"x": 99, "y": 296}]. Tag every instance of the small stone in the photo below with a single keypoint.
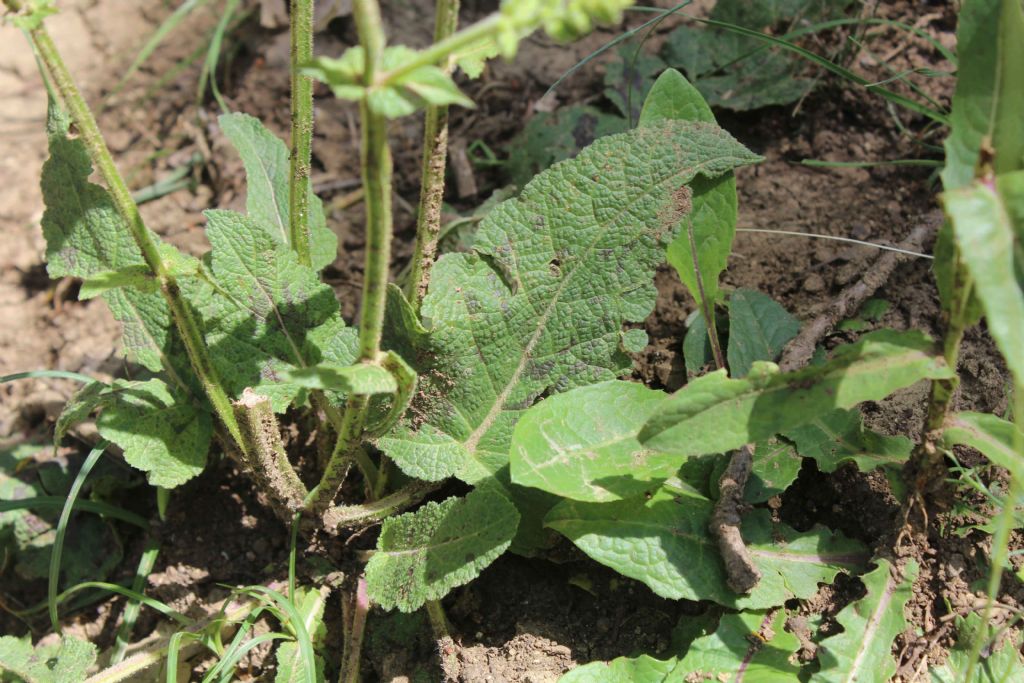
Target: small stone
[{"x": 814, "y": 283}]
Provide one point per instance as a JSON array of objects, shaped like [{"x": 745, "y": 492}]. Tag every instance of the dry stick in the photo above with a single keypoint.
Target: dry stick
[{"x": 742, "y": 573}]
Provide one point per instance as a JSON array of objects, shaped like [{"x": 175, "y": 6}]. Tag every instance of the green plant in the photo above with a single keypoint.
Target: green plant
[{"x": 476, "y": 369}]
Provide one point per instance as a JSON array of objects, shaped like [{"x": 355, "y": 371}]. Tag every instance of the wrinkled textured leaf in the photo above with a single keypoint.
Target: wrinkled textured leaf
[
  {"x": 265, "y": 158},
  {"x": 361, "y": 378},
  {"x": 549, "y": 138},
  {"x": 715, "y": 413},
  {"x": 991, "y": 435},
  {"x": 989, "y": 93},
  {"x": 161, "y": 432},
  {"x": 751, "y": 646},
  {"x": 78, "y": 407},
  {"x": 70, "y": 661},
  {"x": 988, "y": 221},
  {"x": 737, "y": 72},
  {"x": 665, "y": 543},
  {"x": 759, "y": 328},
  {"x": 310, "y": 604},
  {"x": 863, "y": 651},
  {"x": 424, "y": 554},
  {"x": 268, "y": 314},
  {"x": 582, "y": 444},
  {"x": 711, "y": 224},
  {"x": 839, "y": 436},
  {"x": 1001, "y": 665}
]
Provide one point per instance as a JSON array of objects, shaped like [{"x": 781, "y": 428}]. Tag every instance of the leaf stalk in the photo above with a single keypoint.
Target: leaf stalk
[{"x": 302, "y": 128}]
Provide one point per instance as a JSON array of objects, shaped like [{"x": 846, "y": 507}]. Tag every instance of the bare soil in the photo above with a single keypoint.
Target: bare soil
[{"x": 524, "y": 619}]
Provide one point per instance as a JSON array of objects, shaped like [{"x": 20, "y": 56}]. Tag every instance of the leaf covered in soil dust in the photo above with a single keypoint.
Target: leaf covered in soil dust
[
  {"x": 582, "y": 444},
  {"x": 309, "y": 603},
  {"x": 422, "y": 555},
  {"x": 267, "y": 314},
  {"x": 738, "y": 72},
  {"x": 751, "y": 646},
  {"x": 265, "y": 158},
  {"x": 863, "y": 651},
  {"x": 68, "y": 661},
  {"x": 1002, "y": 664},
  {"x": 540, "y": 304},
  {"x": 839, "y": 436},
  {"x": 664, "y": 542},
  {"x": 988, "y": 223},
  {"x": 759, "y": 328},
  {"x": 711, "y": 224},
  {"x": 715, "y": 413},
  {"x": 160, "y": 431}
]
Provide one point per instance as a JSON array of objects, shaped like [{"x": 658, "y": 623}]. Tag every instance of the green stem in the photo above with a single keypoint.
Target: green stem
[
  {"x": 302, "y": 127},
  {"x": 435, "y": 154},
  {"x": 440, "y": 51},
  {"x": 375, "y": 157},
  {"x": 355, "y": 619},
  {"x": 91, "y": 136},
  {"x": 355, "y": 516}
]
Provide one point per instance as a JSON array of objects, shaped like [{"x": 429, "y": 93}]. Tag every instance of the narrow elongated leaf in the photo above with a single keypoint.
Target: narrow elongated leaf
[
  {"x": 715, "y": 413},
  {"x": 582, "y": 444},
  {"x": 136, "y": 276},
  {"x": 540, "y": 304},
  {"x": 361, "y": 378},
  {"x": 424, "y": 554},
  {"x": 989, "y": 90},
  {"x": 665, "y": 543},
  {"x": 267, "y": 314},
  {"x": 995, "y": 437},
  {"x": 863, "y": 651},
  {"x": 752, "y": 647},
  {"x": 161, "y": 432},
  {"x": 711, "y": 225},
  {"x": 839, "y": 436},
  {"x": 265, "y": 158},
  {"x": 310, "y": 604},
  {"x": 988, "y": 221},
  {"x": 759, "y": 328}
]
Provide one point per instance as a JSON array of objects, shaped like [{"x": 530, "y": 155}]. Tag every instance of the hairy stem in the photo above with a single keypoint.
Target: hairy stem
[
  {"x": 435, "y": 154},
  {"x": 376, "y": 170},
  {"x": 89, "y": 132},
  {"x": 266, "y": 455},
  {"x": 302, "y": 128},
  {"x": 443, "y": 637},
  {"x": 354, "y": 516},
  {"x": 355, "y": 621}
]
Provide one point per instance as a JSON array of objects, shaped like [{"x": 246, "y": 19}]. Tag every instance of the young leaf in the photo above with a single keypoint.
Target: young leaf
[
  {"x": 422, "y": 555},
  {"x": 839, "y": 436},
  {"x": 656, "y": 540},
  {"x": 776, "y": 466},
  {"x": 540, "y": 304},
  {"x": 582, "y": 444},
  {"x": 988, "y": 221},
  {"x": 78, "y": 407},
  {"x": 1001, "y": 665},
  {"x": 267, "y": 172},
  {"x": 361, "y": 378},
  {"x": 310, "y": 604},
  {"x": 989, "y": 93},
  {"x": 137, "y": 276},
  {"x": 267, "y": 314},
  {"x": 628, "y": 79},
  {"x": 715, "y": 413},
  {"x": 758, "y": 330},
  {"x": 70, "y": 661},
  {"x": 697, "y": 347},
  {"x": 863, "y": 651},
  {"x": 991, "y": 435},
  {"x": 711, "y": 224},
  {"x": 161, "y": 432}
]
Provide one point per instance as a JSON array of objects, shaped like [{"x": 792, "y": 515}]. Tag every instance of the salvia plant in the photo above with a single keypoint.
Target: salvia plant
[{"x": 502, "y": 367}]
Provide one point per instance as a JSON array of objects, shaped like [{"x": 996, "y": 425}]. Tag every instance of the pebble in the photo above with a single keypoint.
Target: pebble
[{"x": 814, "y": 283}]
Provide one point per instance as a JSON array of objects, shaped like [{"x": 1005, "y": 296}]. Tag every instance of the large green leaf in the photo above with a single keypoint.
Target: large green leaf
[
  {"x": 759, "y": 327},
  {"x": 996, "y": 438},
  {"x": 665, "y": 543},
  {"x": 160, "y": 431},
  {"x": 711, "y": 224},
  {"x": 989, "y": 93},
  {"x": 63, "y": 663},
  {"x": 422, "y": 555},
  {"x": 863, "y": 651},
  {"x": 988, "y": 221},
  {"x": 266, "y": 314},
  {"x": 839, "y": 436},
  {"x": 715, "y": 413},
  {"x": 736, "y": 71},
  {"x": 582, "y": 444},
  {"x": 752, "y": 647},
  {"x": 540, "y": 304},
  {"x": 267, "y": 171}
]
